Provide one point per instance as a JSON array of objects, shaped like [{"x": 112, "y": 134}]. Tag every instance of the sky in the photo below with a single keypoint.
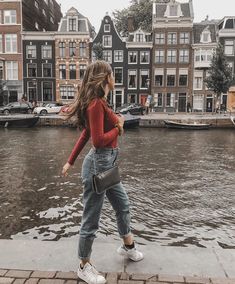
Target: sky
[{"x": 95, "y": 10}]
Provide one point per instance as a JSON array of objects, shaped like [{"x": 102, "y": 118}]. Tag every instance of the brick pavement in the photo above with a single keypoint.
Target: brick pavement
[{"x": 55, "y": 277}]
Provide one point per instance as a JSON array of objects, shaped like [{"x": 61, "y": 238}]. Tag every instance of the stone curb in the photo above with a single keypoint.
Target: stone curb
[{"x": 57, "y": 277}]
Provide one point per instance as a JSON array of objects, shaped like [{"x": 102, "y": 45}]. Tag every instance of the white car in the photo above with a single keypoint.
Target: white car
[{"x": 48, "y": 109}]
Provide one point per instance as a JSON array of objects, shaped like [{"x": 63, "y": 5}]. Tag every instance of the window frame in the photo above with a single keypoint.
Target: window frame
[
  {"x": 115, "y": 55},
  {"x": 107, "y": 41},
  {"x": 136, "y": 56},
  {"x": 118, "y": 68},
  {"x": 47, "y": 49}
]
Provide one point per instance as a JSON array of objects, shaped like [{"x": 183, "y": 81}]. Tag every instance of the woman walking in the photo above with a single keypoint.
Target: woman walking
[{"x": 103, "y": 126}]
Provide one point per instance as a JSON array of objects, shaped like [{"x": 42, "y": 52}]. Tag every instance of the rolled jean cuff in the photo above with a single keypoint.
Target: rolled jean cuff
[
  {"x": 85, "y": 257},
  {"x": 126, "y": 235}
]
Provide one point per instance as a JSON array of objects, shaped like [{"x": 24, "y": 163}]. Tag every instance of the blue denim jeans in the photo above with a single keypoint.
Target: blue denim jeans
[{"x": 98, "y": 160}]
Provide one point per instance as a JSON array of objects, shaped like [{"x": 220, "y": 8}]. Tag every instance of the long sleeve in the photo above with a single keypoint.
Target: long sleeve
[
  {"x": 99, "y": 137},
  {"x": 83, "y": 138}
]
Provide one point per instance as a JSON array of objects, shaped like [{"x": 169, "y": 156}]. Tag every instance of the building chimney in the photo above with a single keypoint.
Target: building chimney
[{"x": 130, "y": 24}]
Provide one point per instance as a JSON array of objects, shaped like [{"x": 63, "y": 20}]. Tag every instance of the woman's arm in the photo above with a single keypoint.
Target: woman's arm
[
  {"x": 96, "y": 114},
  {"x": 83, "y": 138}
]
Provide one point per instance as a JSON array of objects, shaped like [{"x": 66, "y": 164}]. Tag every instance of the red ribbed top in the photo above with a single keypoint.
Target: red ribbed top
[{"x": 101, "y": 128}]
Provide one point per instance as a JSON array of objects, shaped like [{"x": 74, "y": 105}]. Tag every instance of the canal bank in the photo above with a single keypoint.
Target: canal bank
[
  {"x": 25, "y": 259},
  {"x": 155, "y": 120}
]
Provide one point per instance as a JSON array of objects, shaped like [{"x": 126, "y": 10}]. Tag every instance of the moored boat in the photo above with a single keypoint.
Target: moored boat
[
  {"x": 18, "y": 122},
  {"x": 131, "y": 121},
  {"x": 190, "y": 126}
]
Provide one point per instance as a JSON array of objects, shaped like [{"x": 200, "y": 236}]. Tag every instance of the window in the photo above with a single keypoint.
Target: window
[
  {"x": 47, "y": 70},
  {"x": 158, "y": 100},
  {"x": 47, "y": 91},
  {"x": 107, "y": 41},
  {"x": 159, "y": 56},
  {"x": 144, "y": 57},
  {"x": 31, "y": 52},
  {"x": 229, "y": 24},
  {"x": 173, "y": 10},
  {"x": 32, "y": 90},
  {"x": 158, "y": 80},
  {"x": 144, "y": 79},
  {"x": 132, "y": 79},
  {"x": 44, "y": 12},
  {"x": 160, "y": 38},
  {"x": 118, "y": 75},
  {"x": 11, "y": 70},
  {"x": 183, "y": 80},
  {"x": 82, "y": 49},
  {"x": 62, "y": 71},
  {"x": 72, "y": 48},
  {"x": 11, "y": 43},
  {"x": 171, "y": 56},
  {"x": 229, "y": 47},
  {"x": 107, "y": 56},
  {"x": 36, "y": 26},
  {"x": 1, "y": 70},
  {"x": 36, "y": 4},
  {"x": 72, "y": 24},
  {"x": 118, "y": 55},
  {"x": 0, "y": 41},
  {"x": 52, "y": 20},
  {"x": 67, "y": 92},
  {"x": 107, "y": 28},
  {"x": 184, "y": 56},
  {"x": 62, "y": 49},
  {"x": 72, "y": 71},
  {"x": 184, "y": 38},
  {"x": 139, "y": 37},
  {"x": 172, "y": 38},
  {"x": 198, "y": 83},
  {"x": 10, "y": 17},
  {"x": 132, "y": 57},
  {"x": 46, "y": 51},
  {"x": 32, "y": 70},
  {"x": 205, "y": 37},
  {"x": 170, "y": 100},
  {"x": 132, "y": 98},
  {"x": 170, "y": 80},
  {"x": 82, "y": 71}
]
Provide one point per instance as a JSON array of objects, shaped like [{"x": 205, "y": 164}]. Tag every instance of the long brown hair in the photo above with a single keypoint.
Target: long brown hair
[{"x": 92, "y": 86}]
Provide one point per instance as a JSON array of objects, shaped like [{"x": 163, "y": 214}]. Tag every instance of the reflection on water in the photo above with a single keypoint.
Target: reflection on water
[{"x": 180, "y": 184}]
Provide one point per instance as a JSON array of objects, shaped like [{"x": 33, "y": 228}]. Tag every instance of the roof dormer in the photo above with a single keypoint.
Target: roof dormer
[
  {"x": 206, "y": 35},
  {"x": 173, "y": 10}
]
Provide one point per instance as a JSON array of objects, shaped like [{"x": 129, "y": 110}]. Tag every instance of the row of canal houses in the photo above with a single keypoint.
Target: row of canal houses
[{"x": 43, "y": 56}]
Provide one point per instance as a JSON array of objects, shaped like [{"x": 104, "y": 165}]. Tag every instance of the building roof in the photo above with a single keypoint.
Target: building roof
[
  {"x": 198, "y": 28},
  {"x": 83, "y": 24},
  {"x": 186, "y": 9}
]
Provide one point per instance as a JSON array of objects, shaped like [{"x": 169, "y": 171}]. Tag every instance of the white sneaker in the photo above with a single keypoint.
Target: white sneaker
[
  {"x": 133, "y": 253},
  {"x": 90, "y": 275}
]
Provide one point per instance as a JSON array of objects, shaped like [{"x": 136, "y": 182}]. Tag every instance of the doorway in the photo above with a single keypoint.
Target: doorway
[{"x": 182, "y": 102}]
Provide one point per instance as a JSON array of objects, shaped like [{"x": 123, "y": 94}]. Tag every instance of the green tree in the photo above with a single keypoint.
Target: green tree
[
  {"x": 141, "y": 10},
  {"x": 220, "y": 74},
  {"x": 97, "y": 49}
]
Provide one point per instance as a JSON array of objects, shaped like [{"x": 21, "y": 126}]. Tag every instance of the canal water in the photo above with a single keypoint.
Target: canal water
[{"x": 181, "y": 186}]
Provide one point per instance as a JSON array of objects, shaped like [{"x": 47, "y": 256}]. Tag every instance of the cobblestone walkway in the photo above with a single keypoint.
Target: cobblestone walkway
[{"x": 54, "y": 277}]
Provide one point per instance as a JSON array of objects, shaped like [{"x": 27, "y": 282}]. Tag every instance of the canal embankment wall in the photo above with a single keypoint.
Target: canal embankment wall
[{"x": 153, "y": 120}]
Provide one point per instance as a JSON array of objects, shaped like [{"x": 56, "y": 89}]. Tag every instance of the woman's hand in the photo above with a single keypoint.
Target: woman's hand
[
  {"x": 121, "y": 120},
  {"x": 120, "y": 124},
  {"x": 65, "y": 169}
]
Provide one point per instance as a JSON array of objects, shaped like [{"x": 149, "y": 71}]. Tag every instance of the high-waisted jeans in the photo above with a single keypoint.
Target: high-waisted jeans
[{"x": 98, "y": 160}]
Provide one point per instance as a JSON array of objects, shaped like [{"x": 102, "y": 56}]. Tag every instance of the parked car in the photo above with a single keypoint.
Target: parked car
[
  {"x": 132, "y": 109},
  {"x": 51, "y": 108},
  {"x": 17, "y": 107}
]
